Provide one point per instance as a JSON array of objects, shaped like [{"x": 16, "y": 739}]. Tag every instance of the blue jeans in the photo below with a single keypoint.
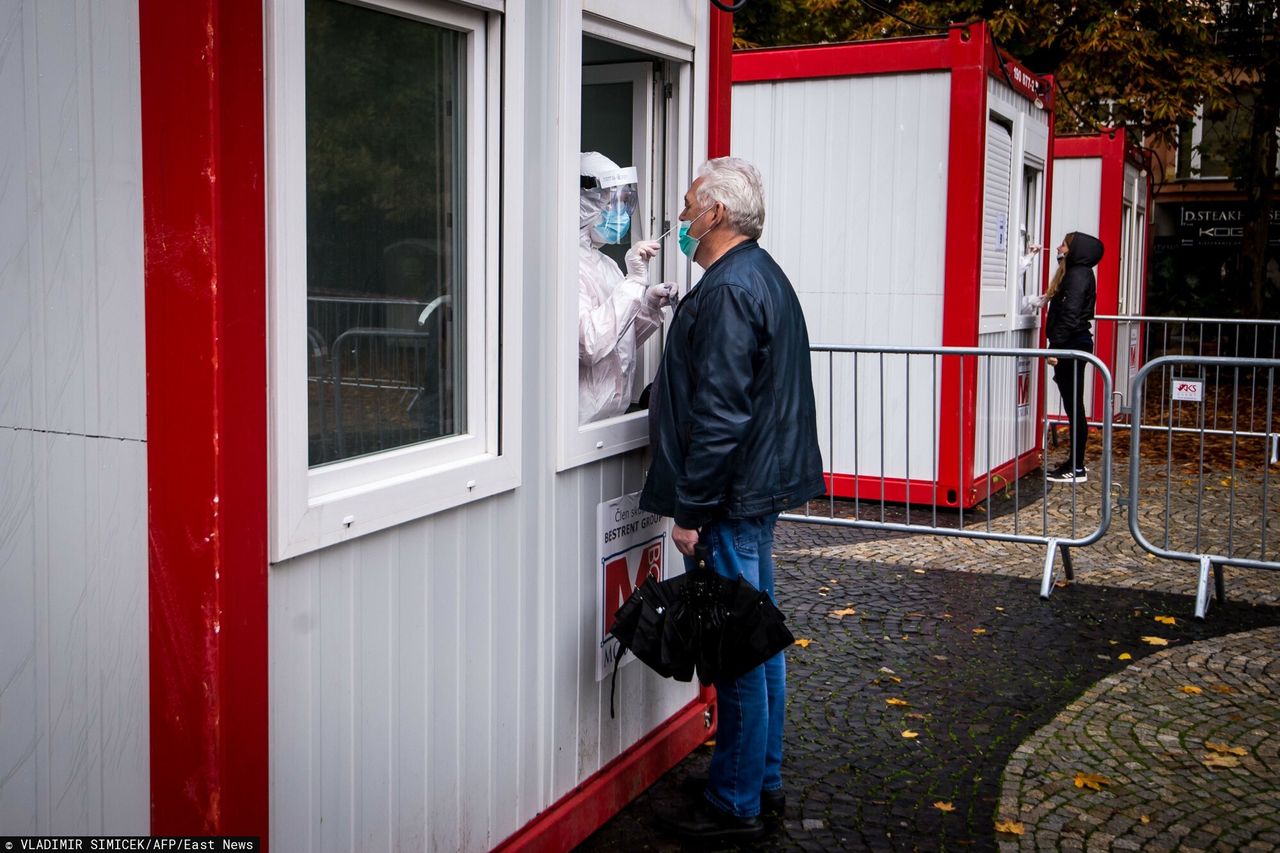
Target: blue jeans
[{"x": 752, "y": 708}]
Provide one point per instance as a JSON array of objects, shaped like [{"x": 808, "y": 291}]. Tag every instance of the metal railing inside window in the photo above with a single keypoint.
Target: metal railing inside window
[{"x": 386, "y": 196}]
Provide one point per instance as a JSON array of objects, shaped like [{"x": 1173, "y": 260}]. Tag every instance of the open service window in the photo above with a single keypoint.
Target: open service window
[
  {"x": 635, "y": 111},
  {"x": 384, "y": 135}
]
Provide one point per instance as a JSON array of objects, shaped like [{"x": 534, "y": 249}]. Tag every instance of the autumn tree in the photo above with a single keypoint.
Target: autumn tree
[{"x": 1146, "y": 65}]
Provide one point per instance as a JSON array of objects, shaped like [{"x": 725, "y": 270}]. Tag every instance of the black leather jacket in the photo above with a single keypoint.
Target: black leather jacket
[
  {"x": 732, "y": 424},
  {"x": 1071, "y": 308}
]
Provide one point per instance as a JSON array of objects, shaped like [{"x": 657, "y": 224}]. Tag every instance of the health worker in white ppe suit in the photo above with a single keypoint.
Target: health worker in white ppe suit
[{"x": 616, "y": 312}]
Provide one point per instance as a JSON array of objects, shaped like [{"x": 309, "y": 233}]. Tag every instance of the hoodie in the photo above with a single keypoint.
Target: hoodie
[{"x": 1071, "y": 308}]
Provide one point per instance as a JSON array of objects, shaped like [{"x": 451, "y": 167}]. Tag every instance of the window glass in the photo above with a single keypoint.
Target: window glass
[
  {"x": 385, "y": 231},
  {"x": 1031, "y": 230},
  {"x": 620, "y": 332}
]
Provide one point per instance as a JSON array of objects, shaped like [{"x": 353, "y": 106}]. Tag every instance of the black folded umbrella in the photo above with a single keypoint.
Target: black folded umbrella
[{"x": 699, "y": 621}]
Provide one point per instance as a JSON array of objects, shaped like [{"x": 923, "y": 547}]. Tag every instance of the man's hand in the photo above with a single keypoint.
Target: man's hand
[{"x": 686, "y": 540}]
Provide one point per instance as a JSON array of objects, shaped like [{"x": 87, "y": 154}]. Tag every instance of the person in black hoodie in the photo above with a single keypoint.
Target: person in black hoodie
[{"x": 1072, "y": 295}]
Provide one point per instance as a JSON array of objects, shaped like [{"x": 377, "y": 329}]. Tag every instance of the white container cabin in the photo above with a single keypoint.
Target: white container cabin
[
  {"x": 299, "y": 528},
  {"x": 907, "y": 178}
]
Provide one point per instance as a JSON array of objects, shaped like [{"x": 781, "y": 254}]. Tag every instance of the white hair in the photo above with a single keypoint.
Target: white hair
[{"x": 737, "y": 185}]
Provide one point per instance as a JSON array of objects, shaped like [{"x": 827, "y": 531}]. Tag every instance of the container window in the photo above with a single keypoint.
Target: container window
[
  {"x": 384, "y": 212},
  {"x": 386, "y": 272},
  {"x": 634, "y": 112}
]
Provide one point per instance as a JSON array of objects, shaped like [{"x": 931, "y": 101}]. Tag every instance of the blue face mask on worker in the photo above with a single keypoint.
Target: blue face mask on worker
[
  {"x": 689, "y": 243},
  {"x": 613, "y": 225}
]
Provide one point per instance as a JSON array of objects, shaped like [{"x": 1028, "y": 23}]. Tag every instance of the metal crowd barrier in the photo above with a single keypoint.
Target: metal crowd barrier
[
  {"x": 874, "y": 449},
  {"x": 1129, "y": 342},
  {"x": 1212, "y": 458}
]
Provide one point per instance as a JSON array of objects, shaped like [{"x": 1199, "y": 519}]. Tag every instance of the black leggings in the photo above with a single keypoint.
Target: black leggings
[{"x": 1068, "y": 375}]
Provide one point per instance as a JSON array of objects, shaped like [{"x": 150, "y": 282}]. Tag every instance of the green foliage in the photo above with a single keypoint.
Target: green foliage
[{"x": 1140, "y": 63}]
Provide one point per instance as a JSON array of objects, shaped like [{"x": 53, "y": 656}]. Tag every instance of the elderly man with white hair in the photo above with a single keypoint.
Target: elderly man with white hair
[{"x": 732, "y": 427}]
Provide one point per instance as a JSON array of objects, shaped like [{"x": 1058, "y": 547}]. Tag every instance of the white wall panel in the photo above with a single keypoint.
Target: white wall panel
[
  {"x": 400, "y": 718},
  {"x": 1077, "y": 194},
  {"x": 73, "y": 648},
  {"x": 74, "y": 701},
  {"x": 71, "y": 211},
  {"x": 1003, "y": 430},
  {"x": 855, "y": 174}
]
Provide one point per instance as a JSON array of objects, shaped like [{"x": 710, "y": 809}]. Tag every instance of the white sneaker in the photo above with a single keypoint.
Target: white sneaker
[{"x": 1064, "y": 474}]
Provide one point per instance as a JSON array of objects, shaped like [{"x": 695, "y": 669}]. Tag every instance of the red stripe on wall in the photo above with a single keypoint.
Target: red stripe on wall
[
  {"x": 202, "y": 164},
  {"x": 720, "y": 85},
  {"x": 883, "y": 56},
  {"x": 963, "y": 273}
]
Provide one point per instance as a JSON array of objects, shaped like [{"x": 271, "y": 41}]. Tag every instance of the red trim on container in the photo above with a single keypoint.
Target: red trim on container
[
  {"x": 887, "y": 56},
  {"x": 204, "y": 232},
  {"x": 720, "y": 84},
  {"x": 963, "y": 271},
  {"x": 590, "y": 805},
  {"x": 893, "y": 489}
]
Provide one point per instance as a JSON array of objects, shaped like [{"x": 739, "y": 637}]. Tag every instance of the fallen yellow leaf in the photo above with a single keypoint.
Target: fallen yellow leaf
[
  {"x": 1114, "y": 642},
  {"x": 1155, "y": 641},
  {"x": 1215, "y": 760},
  {"x": 1146, "y": 818},
  {"x": 1125, "y": 656},
  {"x": 979, "y": 630},
  {"x": 1001, "y": 609},
  {"x": 1224, "y": 748},
  {"x": 1192, "y": 689},
  {"x": 944, "y": 807},
  {"x": 1166, "y": 620},
  {"x": 916, "y": 715},
  {"x": 1010, "y": 826},
  {"x": 886, "y": 669},
  {"x": 898, "y": 703},
  {"x": 1094, "y": 781},
  {"x": 910, "y": 734},
  {"x": 804, "y": 644},
  {"x": 1061, "y": 584},
  {"x": 1221, "y": 688},
  {"x": 919, "y": 571},
  {"x": 895, "y": 679},
  {"x": 840, "y": 614},
  {"x": 824, "y": 589}
]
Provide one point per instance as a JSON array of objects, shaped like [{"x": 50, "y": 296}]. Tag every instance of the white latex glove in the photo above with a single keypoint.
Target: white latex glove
[
  {"x": 638, "y": 257},
  {"x": 660, "y": 295}
]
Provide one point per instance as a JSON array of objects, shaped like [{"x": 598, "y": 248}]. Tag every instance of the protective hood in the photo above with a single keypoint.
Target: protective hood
[{"x": 1085, "y": 250}]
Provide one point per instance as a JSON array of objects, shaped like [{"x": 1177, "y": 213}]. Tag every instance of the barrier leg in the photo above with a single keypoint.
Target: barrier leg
[
  {"x": 1067, "y": 567},
  {"x": 1202, "y": 589},
  {"x": 1046, "y": 583}
]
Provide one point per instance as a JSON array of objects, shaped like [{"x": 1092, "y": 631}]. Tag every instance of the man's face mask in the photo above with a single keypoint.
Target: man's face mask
[{"x": 689, "y": 243}]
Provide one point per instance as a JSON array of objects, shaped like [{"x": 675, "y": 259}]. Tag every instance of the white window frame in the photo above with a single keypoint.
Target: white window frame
[
  {"x": 579, "y": 444},
  {"x": 315, "y": 507}
]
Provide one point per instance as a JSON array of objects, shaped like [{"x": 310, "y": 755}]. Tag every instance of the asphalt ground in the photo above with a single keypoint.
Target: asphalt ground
[{"x": 983, "y": 666}]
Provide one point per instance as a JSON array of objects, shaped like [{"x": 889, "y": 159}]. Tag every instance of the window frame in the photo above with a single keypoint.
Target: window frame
[
  {"x": 579, "y": 444},
  {"x": 315, "y": 507}
]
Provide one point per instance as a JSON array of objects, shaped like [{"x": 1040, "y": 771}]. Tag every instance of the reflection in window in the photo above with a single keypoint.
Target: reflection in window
[{"x": 385, "y": 236}]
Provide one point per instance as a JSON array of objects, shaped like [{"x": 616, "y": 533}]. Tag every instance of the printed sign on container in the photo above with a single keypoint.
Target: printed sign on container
[{"x": 631, "y": 545}]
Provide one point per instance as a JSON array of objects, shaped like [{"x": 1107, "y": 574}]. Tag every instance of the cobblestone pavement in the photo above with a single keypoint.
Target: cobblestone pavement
[
  {"x": 1186, "y": 742},
  {"x": 953, "y": 633}
]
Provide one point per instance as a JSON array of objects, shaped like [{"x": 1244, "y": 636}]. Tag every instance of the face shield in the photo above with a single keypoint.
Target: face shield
[{"x": 614, "y": 196}]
